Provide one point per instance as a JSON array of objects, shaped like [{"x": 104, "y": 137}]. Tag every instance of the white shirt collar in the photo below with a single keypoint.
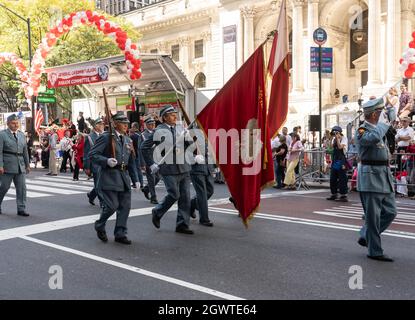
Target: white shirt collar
[{"x": 370, "y": 124}]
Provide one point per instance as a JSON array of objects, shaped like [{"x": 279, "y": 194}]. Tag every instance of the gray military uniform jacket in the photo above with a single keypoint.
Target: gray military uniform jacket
[
  {"x": 89, "y": 143},
  {"x": 114, "y": 179},
  {"x": 14, "y": 157},
  {"x": 371, "y": 146},
  {"x": 162, "y": 134}
]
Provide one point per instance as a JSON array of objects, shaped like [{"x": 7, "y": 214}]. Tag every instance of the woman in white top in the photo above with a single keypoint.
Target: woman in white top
[{"x": 392, "y": 99}]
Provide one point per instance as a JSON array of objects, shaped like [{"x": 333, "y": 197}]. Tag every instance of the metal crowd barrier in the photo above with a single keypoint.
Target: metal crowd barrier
[{"x": 315, "y": 166}]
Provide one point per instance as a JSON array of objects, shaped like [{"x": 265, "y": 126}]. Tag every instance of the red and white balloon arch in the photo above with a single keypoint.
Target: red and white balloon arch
[
  {"x": 76, "y": 19},
  {"x": 20, "y": 68}
]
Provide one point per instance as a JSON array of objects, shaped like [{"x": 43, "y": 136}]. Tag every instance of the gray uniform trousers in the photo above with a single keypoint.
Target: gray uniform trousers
[
  {"x": 203, "y": 185},
  {"x": 121, "y": 202},
  {"x": 152, "y": 181},
  {"x": 380, "y": 211},
  {"x": 19, "y": 180},
  {"x": 178, "y": 189}
]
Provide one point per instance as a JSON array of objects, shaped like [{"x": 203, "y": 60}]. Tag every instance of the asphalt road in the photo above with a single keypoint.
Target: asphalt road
[{"x": 299, "y": 246}]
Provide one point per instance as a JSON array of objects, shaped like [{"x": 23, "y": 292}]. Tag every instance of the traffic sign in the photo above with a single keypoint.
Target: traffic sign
[
  {"x": 43, "y": 91},
  {"x": 326, "y": 60},
  {"x": 46, "y": 99},
  {"x": 320, "y": 36}
]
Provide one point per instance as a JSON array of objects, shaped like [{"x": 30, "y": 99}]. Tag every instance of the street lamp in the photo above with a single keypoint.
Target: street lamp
[{"x": 30, "y": 56}]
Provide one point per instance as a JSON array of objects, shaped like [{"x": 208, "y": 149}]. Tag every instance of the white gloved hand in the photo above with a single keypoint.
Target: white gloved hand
[
  {"x": 187, "y": 135},
  {"x": 111, "y": 162},
  {"x": 138, "y": 186},
  {"x": 200, "y": 159},
  {"x": 154, "y": 168}
]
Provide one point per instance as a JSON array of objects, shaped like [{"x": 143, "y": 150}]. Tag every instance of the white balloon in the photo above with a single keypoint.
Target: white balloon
[
  {"x": 136, "y": 55},
  {"x": 405, "y": 63}
]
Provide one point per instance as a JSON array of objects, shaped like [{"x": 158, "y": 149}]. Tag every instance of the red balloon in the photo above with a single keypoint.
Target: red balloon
[
  {"x": 83, "y": 21},
  {"x": 412, "y": 67},
  {"x": 133, "y": 46},
  {"x": 412, "y": 44},
  {"x": 408, "y": 74},
  {"x": 133, "y": 76},
  {"x": 413, "y": 35},
  {"x": 400, "y": 61}
]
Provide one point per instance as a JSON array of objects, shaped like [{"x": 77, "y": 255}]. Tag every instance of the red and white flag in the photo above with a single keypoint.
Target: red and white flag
[
  {"x": 278, "y": 68},
  {"x": 38, "y": 118}
]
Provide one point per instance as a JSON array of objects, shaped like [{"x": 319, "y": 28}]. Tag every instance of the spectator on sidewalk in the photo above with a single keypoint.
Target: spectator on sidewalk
[{"x": 293, "y": 160}]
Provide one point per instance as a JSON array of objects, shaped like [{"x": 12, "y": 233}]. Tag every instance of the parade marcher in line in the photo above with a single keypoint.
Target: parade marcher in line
[
  {"x": 338, "y": 173},
  {"x": 53, "y": 145},
  {"x": 152, "y": 179},
  {"x": 114, "y": 184},
  {"x": 203, "y": 184},
  {"x": 137, "y": 139},
  {"x": 176, "y": 176},
  {"x": 14, "y": 163},
  {"x": 89, "y": 167},
  {"x": 78, "y": 149},
  {"x": 66, "y": 146},
  {"x": 375, "y": 181}
]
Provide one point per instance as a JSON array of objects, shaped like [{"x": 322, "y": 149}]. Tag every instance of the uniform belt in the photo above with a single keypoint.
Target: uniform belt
[
  {"x": 375, "y": 163},
  {"x": 122, "y": 167},
  {"x": 13, "y": 153}
]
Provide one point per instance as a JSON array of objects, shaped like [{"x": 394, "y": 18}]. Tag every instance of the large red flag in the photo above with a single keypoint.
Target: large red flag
[
  {"x": 235, "y": 122},
  {"x": 278, "y": 68}
]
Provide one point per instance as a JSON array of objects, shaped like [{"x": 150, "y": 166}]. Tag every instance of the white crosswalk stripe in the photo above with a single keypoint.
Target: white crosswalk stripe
[
  {"x": 406, "y": 213},
  {"x": 39, "y": 187}
]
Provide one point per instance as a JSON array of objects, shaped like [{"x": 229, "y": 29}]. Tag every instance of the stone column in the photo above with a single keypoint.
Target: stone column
[
  {"x": 298, "y": 51},
  {"x": 184, "y": 43},
  {"x": 393, "y": 40},
  {"x": 374, "y": 43},
  {"x": 240, "y": 41},
  {"x": 313, "y": 23},
  {"x": 207, "y": 38},
  {"x": 406, "y": 24},
  {"x": 248, "y": 14}
]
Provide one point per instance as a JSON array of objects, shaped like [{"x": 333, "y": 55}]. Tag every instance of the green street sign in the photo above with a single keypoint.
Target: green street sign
[
  {"x": 46, "y": 91},
  {"x": 43, "y": 99}
]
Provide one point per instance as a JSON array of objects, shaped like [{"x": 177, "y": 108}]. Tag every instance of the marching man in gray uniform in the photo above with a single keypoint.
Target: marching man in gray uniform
[
  {"x": 14, "y": 163},
  {"x": 152, "y": 179},
  {"x": 114, "y": 185},
  {"x": 175, "y": 170},
  {"x": 202, "y": 181},
  {"x": 375, "y": 181},
  {"x": 89, "y": 167}
]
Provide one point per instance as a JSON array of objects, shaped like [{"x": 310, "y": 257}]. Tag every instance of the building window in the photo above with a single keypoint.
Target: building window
[
  {"x": 175, "y": 52},
  {"x": 359, "y": 48},
  {"x": 198, "y": 49},
  {"x": 200, "y": 81},
  {"x": 153, "y": 51}
]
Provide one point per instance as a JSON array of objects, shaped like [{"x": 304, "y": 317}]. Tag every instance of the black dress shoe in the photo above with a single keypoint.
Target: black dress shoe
[
  {"x": 362, "y": 242},
  {"x": 102, "y": 235},
  {"x": 123, "y": 240},
  {"x": 207, "y": 224},
  {"x": 22, "y": 213},
  {"x": 155, "y": 219},
  {"x": 342, "y": 199},
  {"x": 90, "y": 200},
  {"x": 154, "y": 201},
  {"x": 333, "y": 197},
  {"x": 383, "y": 258},
  {"x": 184, "y": 230},
  {"x": 192, "y": 212},
  {"x": 146, "y": 192}
]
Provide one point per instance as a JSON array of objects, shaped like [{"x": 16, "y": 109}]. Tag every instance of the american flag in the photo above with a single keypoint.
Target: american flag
[{"x": 38, "y": 118}]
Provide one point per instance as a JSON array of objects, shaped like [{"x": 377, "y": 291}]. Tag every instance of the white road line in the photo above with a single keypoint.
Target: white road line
[
  {"x": 63, "y": 224},
  {"x": 144, "y": 272},
  {"x": 59, "y": 185},
  {"x": 51, "y": 190},
  {"x": 58, "y": 180},
  {"x": 339, "y": 215},
  {"x": 318, "y": 223},
  {"x": 29, "y": 194}
]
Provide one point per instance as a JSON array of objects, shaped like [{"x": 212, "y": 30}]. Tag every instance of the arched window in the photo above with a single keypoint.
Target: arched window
[
  {"x": 200, "y": 80},
  {"x": 359, "y": 39}
]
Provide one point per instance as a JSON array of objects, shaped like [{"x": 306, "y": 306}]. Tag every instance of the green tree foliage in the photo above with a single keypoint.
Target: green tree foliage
[{"x": 80, "y": 44}]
